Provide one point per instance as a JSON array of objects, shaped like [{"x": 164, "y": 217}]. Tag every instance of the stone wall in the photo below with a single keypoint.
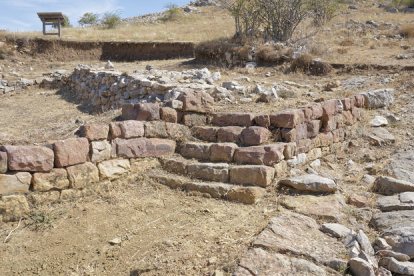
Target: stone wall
[{"x": 31, "y": 175}]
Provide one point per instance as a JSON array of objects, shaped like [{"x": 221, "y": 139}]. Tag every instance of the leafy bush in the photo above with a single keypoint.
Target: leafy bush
[
  {"x": 407, "y": 3},
  {"x": 172, "y": 13},
  {"x": 66, "y": 22},
  {"x": 88, "y": 18},
  {"x": 111, "y": 19}
]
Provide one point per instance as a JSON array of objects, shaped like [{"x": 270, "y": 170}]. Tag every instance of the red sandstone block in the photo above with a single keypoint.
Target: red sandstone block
[
  {"x": 329, "y": 123},
  {"x": 144, "y": 147},
  {"x": 347, "y": 104},
  {"x": 71, "y": 151},
  {"x": 29, "y": 158},
  {"x": 260, "y": 155},
  {"x": 229, "y": 134},
  {"x": 304, "y": 146},
  {"x": 356, "y": 113},
  {"x": 313, "y": 128},
  {"x": 200, "y": 151},
  {"x": 252, "y": 175},
  {"x": 233, "y": 119},
  {"x": 200, "y": 102},
  {"x": 289, "y": 150},
  {"x": 141, "y": 112},
  {"x": 301, "y": 131},
  {"x": 330, "y": 107},
  {"x": 348, "y": 118},
  {"x": 205, "y": 133},
  {"x": 262, "y": 120},
  {"x": 359, "y": 100},
  {"x": 317, "y": 111},
  {"x": 194, "y": 119},
  {"x": 222, "y": 152},
  {"x": 307, "y": 112},
  {"x": 288, "y": 134},
  {"x": 255, "y": 135},
  {"x": 127, "y": 129},
  {"x": 287, "y": 119},
  {"x": 169, "y": 115},
  {"x": 94, "y": 132}
]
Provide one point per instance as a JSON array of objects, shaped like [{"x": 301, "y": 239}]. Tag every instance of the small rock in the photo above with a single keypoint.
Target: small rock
[
  {"x": 380, "y": 136},
  {"x": 398, "y": 256},
  {"x": 115, "y": 241},
  {"x": 109, "y": 65},
  {"x": 336, "y": 230},
  {"x": 359, "y": 201},
  {"x": 381, "y": 244},
  {"x": 310, "y": 183},
  {"x": 360, "y": 267},
  {"x": 378, "y": 121},
  {"x": 365, "y": 243},
  {"x": 316, "y": 164}
]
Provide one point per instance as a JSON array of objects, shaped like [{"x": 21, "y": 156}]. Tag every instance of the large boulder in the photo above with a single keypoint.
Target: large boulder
[
  {"x": 71, "y": 151},
  {"x": 379, "y": 98},
  {"x": 310, "y": 183},
  {"x": 29, "y": 158}
]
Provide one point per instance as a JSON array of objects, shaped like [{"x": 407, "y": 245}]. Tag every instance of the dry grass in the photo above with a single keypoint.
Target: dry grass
[
  {"x": 407, "y": 30},
  {"x": 210, "y": 23}
]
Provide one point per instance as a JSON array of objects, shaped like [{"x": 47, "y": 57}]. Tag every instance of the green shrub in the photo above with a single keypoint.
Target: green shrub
[
  {"x": 88, "y": 18},
  {"x": 111, "y": 19},
  {"x": 172, "y": 13}
]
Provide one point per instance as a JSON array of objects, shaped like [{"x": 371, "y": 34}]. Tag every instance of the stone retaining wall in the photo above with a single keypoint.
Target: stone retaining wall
[{"x": 58, "y": 171}]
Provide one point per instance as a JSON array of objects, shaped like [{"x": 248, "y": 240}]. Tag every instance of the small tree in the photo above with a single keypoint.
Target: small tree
[
  {"x": 66, "y": 22},
  {"x": 111, "y": 19},
  {"x": 88, "y": 18},
  {"x": 172, "y": 13}
]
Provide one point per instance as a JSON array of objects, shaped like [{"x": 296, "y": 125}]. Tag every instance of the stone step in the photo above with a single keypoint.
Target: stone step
[
  {"x": 247, "y": 175},
  {"x": 246, "y": 195},
  {"x": 268, "y": 155},
  {"x": 246, "y": 136}
]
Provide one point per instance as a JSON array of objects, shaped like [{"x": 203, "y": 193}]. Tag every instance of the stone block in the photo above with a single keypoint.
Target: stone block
[
  {"x": 262, "y": 120},
  {"x": 113, "y": 169},
  {"x": 301, "y": 131},
  {"x": 13, "y": 207},
  {"x": 44, "y": 197},
  {"x": 289, "y": 150},
  {"x": 194, "y": 119},
  {"x": 359, "y": 101},
  {"x": 255, "y": 135},
  {"x": 199, "y": 102},
  {"x": 245, "y": 195},
  {"x": 82, "y": 175},
  {"x": 55, "y": 179},
  {"x": 178, "y": 132},
  {"x": 304, "y": 145},
  {"x": 261, "y": 176},
  {"x": 200, "y": 151},
  {"x": 100, "y": 151},
  {"x": 325, "y": 139},
  {"x": 127, "y": 129},
  {"x": 175, "y": 166},
  {"x": 15, "y": 183},
  {"x": 313, "y": 128},
  {"x": 205, "y": 133},
  {"x": 71, "y": 151},
  {"x": 233, "y": 119},
  {"x": 29, "y": 158},
  {"x": 168, "y": 114},
  {"x": 222, "y": 152},
  {"x": 229, "y": 134},
  {"x": 157, "y": 129},
  {"x": 288, "y": 134},
  {"x": 144, "y": 147},
  {"x": 3, "y": 162},
  {"x": 287, "y": 118},
  {"x": 94, "y": 132},
  {"x": 209, "y": 171},
  {"x": 347, "y": 103},
  {"x": 260, "y": 155},
  {"x": 141, "y": 112},
  {"x": 317, "y": 111}
]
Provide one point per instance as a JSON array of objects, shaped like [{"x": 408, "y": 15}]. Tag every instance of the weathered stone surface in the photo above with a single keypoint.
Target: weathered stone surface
[
  {"x": 141, "y": 112},
  {"x": 200, "y": 151},
  {"x": 401, "y": 268},
  {"x": 336, "y": 230},
  {"x": 205, "y": 133},
  {"x": 168, "y": 114},
  {"x": 402, "y": 165},
  {"x": 380, "y": 136},
  {"x": 3, "y": 162},
  {"x": 233, "y": 119},
  {"x": 178, "y": 132},
  {"x": 313, "y": 128},
  {"x": 379, "y": 98},
  {"x": 360, "y": 267},
  {"x": 55, "y": 179},
  {"x": 229, "y": 134},
  {"x": 268, "y": 263},
  {"x": 378, "y": 121},
  {"x": 328, "y": 207},
  {"x": 287, "y": 119},
  {"x": 218, "y": 172},
  {"x": 261, "y": 176},
  {"x": 253, "y": 136},
  {"x": 15, "y": 183},
  {"x": 200, "y": 102},
  {"x": 403, "y": 201},
  {"x": 194, "y": 119},
  {"x": 156, "y": 129},
  {"x": 70, "y": 194},
  {"x": 71, "y": 151},
  {"x": 246, "y": 195},
  {"x": 173, "y": 165},
  {"x": 112, "y": 169},
  {"x": 260, "y": 155},
  {"x": 310, "y": 183},
  {"x": 94, "y": 132},
  {"x": 214, "y": 189},
  {"x": 127, "y": 129},
  {"x": 398, "y": 230},
  {"x": 144, "y": 147},
  {"x": 44, "y": 197},
  {"x": 101, "y": 150},
  {"x": 29, "y": 158},
  {"x": 82, "y": 175},
  {"x": 299, "y": 235},
  {"x": 389, "y": 253},
  {"x": 388, "y": 186},
  {"x": 222, "y": 152},
  {"x": 13, "y": 207},
  {"x": 262, "y": 120},
  {"x": 365, "y": 243}
]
